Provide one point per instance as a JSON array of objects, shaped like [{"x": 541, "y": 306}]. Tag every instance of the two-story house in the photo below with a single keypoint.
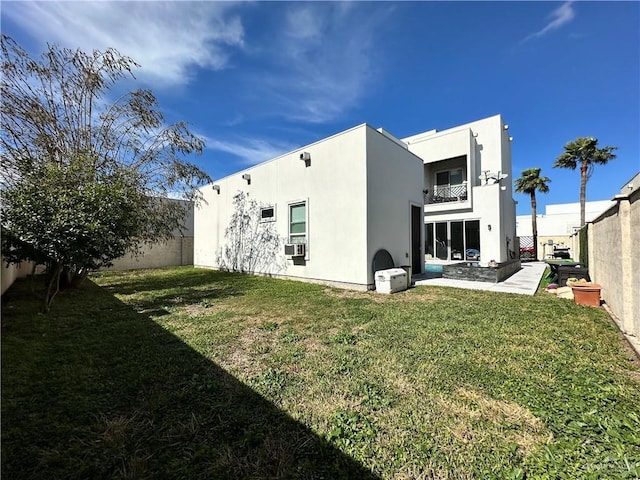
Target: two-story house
[
  {"x": 435, "y": 197},
  {"x": 469, "y": 208}
]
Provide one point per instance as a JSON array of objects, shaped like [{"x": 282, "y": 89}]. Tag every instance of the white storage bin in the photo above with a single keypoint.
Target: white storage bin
[{"x": 391, "y": 280}]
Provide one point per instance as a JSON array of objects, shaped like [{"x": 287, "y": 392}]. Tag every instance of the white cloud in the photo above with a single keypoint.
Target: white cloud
[
  {"x": 250, "y": 150},
  {"x": 322, "y": 62},
  {"x": 313, "y": 61},
  {"x": 559, "y": 17},
  {"x": 166, "y": 38}
]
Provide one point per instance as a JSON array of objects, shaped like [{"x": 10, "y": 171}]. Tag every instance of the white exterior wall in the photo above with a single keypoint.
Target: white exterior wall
[
  {"x": 394, "y": 184},
  {"x": 493, "y": 150},
  {"x": 358, "y": 187},
  {"x": 507, "y": 203},
  {"x": 435, "y": 147},
  {"x": 487, "y": 147},
  {"x": 334, "y": 187}
]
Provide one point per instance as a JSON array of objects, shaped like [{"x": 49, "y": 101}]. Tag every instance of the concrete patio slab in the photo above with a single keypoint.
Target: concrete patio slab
[{"x": 523, "y": 282}]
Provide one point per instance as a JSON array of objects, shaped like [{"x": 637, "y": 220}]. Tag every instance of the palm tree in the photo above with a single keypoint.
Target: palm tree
[
  {"x": 584, "y": 150},
  {"x": 529, "y": 182}
]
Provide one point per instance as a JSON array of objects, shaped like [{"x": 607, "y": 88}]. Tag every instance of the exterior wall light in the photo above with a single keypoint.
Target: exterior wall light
[
  {"x": 306, "y": 158},
  {"x": 247, "y": 177},
  {"x": 489, "y": 227},
  {"x": 216, "y": 188}
]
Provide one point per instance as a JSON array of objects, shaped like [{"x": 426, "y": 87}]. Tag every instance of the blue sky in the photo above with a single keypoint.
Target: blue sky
[{"x": 258, "y": 79}]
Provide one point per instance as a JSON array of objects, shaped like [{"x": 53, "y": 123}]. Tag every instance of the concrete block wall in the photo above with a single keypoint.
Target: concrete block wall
[
  {"x": 614, "y": 263},
  {"x": 177, "y": 251}
]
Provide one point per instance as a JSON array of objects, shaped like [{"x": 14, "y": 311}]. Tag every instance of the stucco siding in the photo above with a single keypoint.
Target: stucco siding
[
  {"x": 394, "y": 184},
  {"x": 333, "y": 186},
  {"x": 486, "y": 144}
]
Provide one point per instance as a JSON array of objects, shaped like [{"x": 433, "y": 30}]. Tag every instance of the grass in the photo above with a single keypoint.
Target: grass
[{"x": 185, "y": 373}]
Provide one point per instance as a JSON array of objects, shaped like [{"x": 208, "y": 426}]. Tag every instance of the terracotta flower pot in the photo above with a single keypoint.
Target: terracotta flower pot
[{"x": 587, "y": 294}]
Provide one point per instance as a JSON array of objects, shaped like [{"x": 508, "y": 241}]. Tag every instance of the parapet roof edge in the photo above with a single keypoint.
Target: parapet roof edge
[
  {"x": 248, "y": 169},
  {"x": 430, "y": 133}
]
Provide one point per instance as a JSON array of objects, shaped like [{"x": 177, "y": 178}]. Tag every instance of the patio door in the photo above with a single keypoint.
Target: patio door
[
  {"x": 416, "y": 239},
  {"x": 442, "y": 241},
  {"x": 454, "y": 240}
]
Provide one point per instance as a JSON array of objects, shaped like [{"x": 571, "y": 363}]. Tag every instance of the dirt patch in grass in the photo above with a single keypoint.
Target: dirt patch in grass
[
  {"x": 411, "y": 295},
  {"x": 196, "y": 310},
  {"x": 479, "y": 418},
  {"x": 312, "y": 345},
  {"x": 339, "y": 293},
  {"x": 243, "y": 359}
]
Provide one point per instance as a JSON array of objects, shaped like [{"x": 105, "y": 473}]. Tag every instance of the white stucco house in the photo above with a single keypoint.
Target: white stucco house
[
  {"x": 336, "y": 202},
  {"x": 469, "y": 206}
]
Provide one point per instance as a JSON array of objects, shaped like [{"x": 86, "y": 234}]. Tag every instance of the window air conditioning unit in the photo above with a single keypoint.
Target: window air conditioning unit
[{"x": 294, "y": 249}]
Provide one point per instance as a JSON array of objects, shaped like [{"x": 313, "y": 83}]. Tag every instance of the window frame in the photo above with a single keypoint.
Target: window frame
[
  {"x": 273, "y": 218},
  {"x": 448, "y": 171},
  {"x": 431, "y": 238},
  {"x": 298, "y": 235}
]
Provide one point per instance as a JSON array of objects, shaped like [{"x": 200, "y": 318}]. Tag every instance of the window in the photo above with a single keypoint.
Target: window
[
  {"x": 428, "y": 250},
  {"x": 456, "y": 240},
  {"x": 441, "y": 241},
  {"x": 472, "y": 239},
  {"x": 450, "y": 186},
  {"x": 268, "y": 214},
  {"x": 449, "y": 178},
  {"x": 298, "y": 223}
]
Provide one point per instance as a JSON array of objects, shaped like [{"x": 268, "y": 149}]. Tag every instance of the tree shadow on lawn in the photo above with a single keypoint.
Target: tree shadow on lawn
[
  {"x": 218, "y": 283},
  {"x": 97, "y": 390}
]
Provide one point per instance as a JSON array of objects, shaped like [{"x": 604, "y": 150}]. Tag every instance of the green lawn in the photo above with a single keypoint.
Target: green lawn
[{"x": 185, "y": 373}]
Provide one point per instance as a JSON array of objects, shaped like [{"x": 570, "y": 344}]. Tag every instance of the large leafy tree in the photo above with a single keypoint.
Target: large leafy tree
[
  {"x": 85, "y": 179},
  {"x": 584, "y": 152},
  {"x": 531, "y": 182}
]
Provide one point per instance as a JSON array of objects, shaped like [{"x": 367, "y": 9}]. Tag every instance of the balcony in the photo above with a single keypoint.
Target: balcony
[{"x": 446, "y": 193}]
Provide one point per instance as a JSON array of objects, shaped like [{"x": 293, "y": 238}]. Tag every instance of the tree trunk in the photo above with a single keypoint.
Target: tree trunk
[
  {"x": 534, "y": 224},
  {"x": 55, "y": 279},
  {"x": 583, "y": 190}
]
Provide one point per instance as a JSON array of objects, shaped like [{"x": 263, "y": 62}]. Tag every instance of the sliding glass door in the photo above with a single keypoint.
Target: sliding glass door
[{"x": 455, "y": 240}]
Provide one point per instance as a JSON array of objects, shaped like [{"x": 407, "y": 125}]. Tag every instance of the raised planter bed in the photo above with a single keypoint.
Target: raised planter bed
[{"x": 474, "y": 272}]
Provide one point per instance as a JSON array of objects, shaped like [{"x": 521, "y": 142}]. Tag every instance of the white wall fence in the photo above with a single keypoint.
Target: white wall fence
[
  {"x": 9, "y": 273},
  {"x": 175, "y": 252}
]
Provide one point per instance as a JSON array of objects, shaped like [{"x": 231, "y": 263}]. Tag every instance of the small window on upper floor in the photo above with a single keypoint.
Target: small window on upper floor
[{"x": 268, "y": 214}]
